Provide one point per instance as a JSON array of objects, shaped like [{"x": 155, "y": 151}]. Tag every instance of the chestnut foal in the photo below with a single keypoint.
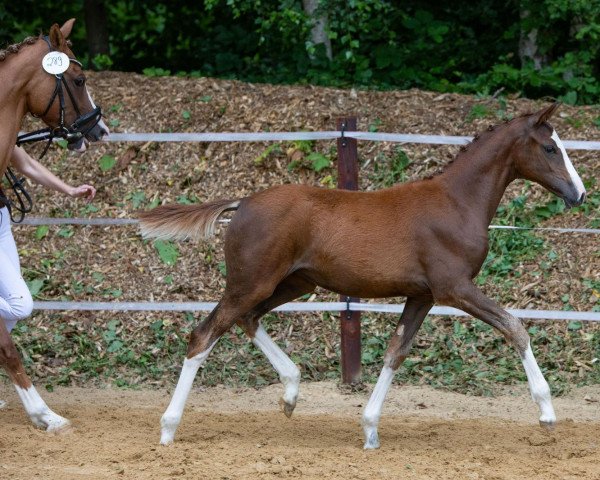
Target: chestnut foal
[
  {"x": 425, "y": 240},
  {"x": 33, "y": 75}
]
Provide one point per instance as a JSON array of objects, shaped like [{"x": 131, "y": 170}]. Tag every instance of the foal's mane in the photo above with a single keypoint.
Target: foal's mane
[
  {"x": 14, "y": 48},
  {"x": 485, "y": 135}
]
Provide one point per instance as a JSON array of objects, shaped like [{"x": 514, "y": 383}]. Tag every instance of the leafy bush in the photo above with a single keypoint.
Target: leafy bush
[{"x": 456, "y": 46}]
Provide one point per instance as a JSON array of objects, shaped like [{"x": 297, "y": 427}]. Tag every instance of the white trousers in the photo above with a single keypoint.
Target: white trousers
[{"x": 15, "y": 300}]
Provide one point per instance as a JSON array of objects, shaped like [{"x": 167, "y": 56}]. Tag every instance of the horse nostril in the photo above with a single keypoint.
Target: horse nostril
[{"x": 581, "y": 199}]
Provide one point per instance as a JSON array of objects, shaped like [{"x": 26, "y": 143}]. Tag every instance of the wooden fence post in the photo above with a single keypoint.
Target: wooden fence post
[{"x": 349, "y": 321}]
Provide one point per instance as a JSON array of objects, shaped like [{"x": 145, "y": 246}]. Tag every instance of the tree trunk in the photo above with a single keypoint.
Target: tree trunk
[
  {"x": 96, "y": 27},
  {"x": 528, "y": 46},
  {"x": 318, "y": 33}
]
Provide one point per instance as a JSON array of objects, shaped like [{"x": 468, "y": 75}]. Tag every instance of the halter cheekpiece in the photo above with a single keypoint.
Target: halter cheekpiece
[{"x": 73, "y": 133}]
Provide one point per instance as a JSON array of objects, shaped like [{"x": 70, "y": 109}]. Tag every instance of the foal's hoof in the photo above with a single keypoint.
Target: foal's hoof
[
  {"x": 58, "y": 425},
  {"x": 372, "y": 441},
  {"x": 288, "y": 408},
  {"x": 3, "y": 404},
  {"x": 548, "y": 426}
]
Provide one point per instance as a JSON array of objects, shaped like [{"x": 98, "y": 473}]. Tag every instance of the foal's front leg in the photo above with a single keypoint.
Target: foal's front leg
[
  {"x": 467, "y": 297},
  {"x": 39, "y": 413},
  {"x": 414, "y": 313}
]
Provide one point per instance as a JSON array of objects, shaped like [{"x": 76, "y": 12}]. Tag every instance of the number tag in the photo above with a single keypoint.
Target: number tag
[{"x": 55, "y": 63}]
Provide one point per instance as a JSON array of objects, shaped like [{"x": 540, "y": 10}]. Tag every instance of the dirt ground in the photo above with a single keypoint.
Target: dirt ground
[{"x": 234, "y": 434}]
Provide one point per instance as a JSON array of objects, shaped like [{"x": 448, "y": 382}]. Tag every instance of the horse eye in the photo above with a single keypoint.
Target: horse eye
[
  {"x": 79, "y": 81},
  {"x": 549, "y": 148}
]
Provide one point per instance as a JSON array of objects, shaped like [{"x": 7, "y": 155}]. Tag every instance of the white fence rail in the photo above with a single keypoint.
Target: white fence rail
[
  {"x": 300, "y": 306},
  {"x": 305, "y": 307}
]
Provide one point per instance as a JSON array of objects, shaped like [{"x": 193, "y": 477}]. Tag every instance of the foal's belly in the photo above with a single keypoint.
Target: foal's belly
[{"x": 367, "y": 282}]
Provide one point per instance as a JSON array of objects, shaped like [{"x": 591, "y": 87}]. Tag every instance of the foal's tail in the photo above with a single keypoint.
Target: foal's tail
[{"x": 184, "y": 221}]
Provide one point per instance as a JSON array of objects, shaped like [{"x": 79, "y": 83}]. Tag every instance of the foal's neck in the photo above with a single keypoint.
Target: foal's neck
[
  {"x": 15, "y": 73},
  {"x": 479, "y": 175}
]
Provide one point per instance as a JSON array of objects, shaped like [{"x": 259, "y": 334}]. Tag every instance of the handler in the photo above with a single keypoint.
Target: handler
[{"x": 15, "y": 299}]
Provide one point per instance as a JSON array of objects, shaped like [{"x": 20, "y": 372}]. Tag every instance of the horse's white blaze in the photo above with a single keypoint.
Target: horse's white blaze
[
  {"x": 172, "y": 416},
  {"x": 540, "y": 391},
  {"x": 101, "y": 123},
  {"x": 289, "y": 374},
  {"x": 575, "y": 178},
  {"x": 372, "y": 412},
  {"x": 39, "y": 413}
]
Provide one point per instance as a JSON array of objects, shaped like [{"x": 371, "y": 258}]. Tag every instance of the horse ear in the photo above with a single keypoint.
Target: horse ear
[
  {"x": 57, "y": 39},
  {"x": 67, "y": 27},
  {"x": 545, "y": 114}
]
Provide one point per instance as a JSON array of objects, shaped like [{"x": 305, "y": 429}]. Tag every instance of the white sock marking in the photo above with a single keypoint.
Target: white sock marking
[
  {"x": 540, "y": 391},
  {"x": 372, "y": 412},
  {"x": 38, "y": 411},
  {"x": 172, "y": 416},
  {"x": 575, "y": 178},
  {"x": 289, "y": 374}
]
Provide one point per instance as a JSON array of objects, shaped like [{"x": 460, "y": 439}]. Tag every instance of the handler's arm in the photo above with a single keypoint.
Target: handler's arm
[{"x": 39, "y": 174}]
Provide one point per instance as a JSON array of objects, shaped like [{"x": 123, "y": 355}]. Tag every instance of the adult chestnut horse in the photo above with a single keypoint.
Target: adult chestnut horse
[
  {"x": 35, "y": 75},
  {"x": 425, "y": 240}
]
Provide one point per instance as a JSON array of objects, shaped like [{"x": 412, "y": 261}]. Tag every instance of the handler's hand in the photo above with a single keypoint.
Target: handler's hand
[{"x": 84, "y": 191}]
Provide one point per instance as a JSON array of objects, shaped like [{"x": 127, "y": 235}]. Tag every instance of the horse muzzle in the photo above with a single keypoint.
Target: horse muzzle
[{"x": 575, "y": 199}]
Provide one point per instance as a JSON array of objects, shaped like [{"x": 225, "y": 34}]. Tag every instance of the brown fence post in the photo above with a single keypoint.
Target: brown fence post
[{"x": 349, "y": 321}]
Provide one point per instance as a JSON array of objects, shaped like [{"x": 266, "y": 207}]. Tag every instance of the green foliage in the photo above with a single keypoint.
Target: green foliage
[
  {"x": 156, "y": 72},
  {"x": 35, "y": 286},
  {"x": 41, "y": 231},
  {"x": 318, "y": 161},
  {"x": 102, "y": 62},
  {"x": 301, "y": 154},
  {"x": 388, "y": 171},
  {"x": 433, "y": 45},
  {"x": 478, "y": 110},
  {"x": 167, "y": 252},
  {"x": 106, "y": 162}
]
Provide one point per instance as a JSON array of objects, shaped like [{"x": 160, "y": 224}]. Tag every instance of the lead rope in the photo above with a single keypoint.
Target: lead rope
[{"x": 24, "y": 202}]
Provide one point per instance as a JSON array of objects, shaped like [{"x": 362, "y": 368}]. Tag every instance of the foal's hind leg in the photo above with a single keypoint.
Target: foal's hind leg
[
  {"x": 466, "y": 296},
  {"x": 414, "y": 313},
  {"x": 36, "y": 408},
  {"x": 290, "y": 288}
]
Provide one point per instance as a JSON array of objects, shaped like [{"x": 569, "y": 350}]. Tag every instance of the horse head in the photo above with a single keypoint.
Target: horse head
[
  {"x": 541, "y": 157},
  {"x": 57, "y": 92}
]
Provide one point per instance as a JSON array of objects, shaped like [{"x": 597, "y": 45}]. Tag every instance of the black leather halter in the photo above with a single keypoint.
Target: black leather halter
[{"x": 82, "y": 125}]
